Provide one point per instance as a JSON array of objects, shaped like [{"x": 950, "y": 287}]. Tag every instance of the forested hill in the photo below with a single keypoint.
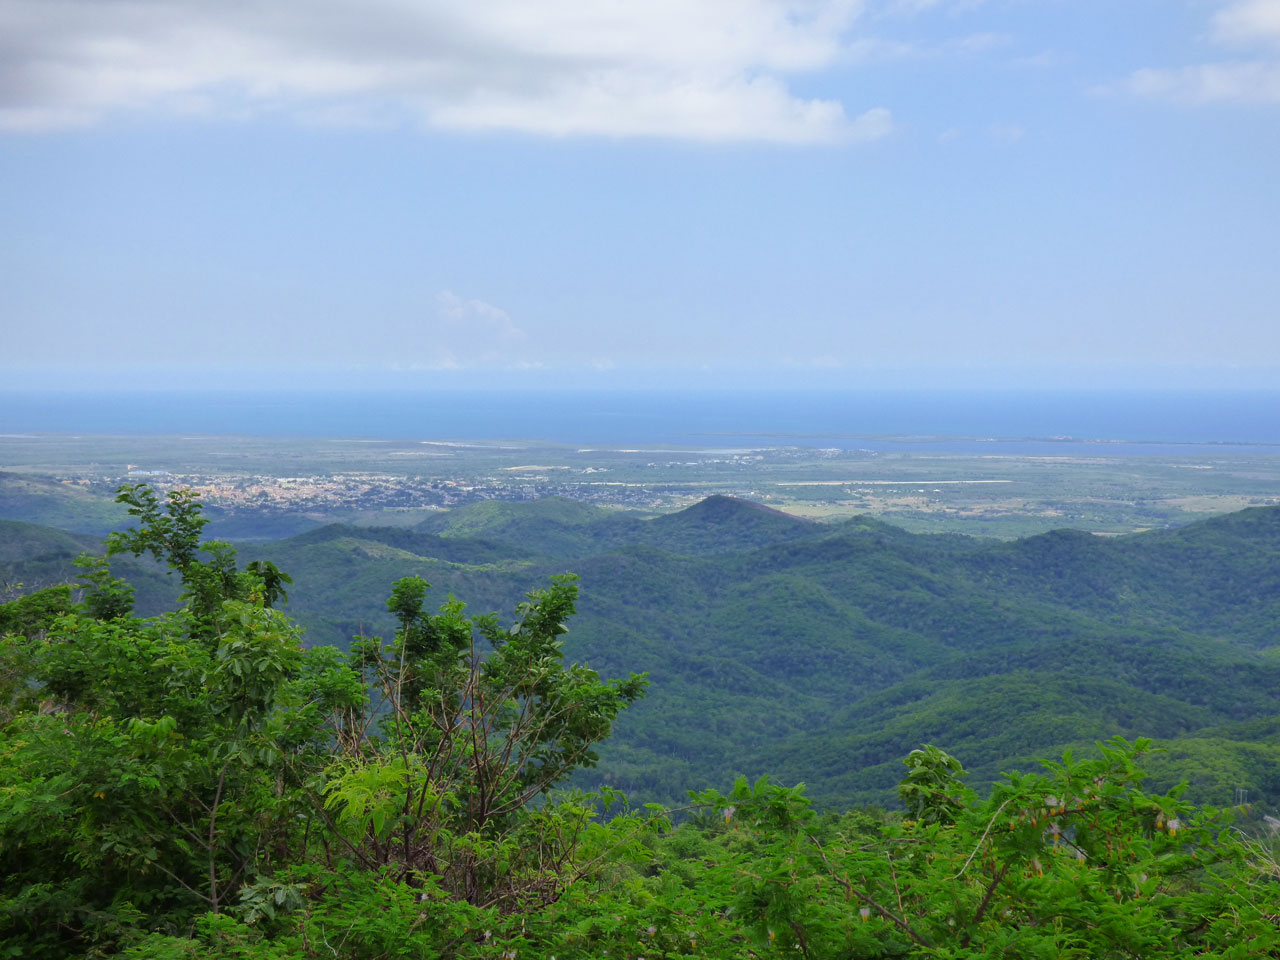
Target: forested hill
[{"x": 824, "y": 653}]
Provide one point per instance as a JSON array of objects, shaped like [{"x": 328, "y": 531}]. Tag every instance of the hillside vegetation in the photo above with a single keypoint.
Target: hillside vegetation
[
  {"x": 200, "y": 784},
  {"x": 823, "y": 653}
]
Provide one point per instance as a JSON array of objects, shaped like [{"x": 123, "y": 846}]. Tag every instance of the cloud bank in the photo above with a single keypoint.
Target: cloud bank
[{"x": 713, "y": 70}]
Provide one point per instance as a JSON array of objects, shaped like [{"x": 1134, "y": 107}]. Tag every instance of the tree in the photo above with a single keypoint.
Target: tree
[
  {"x": 199, "y": 784},
  {"x": 1076, "y": 861},
  {"x": 203, "y": 764},
  {"x": 471, "y": 734},
  {"x": 171, "y": 534},
  {"x": 151, "y": 772},
  {"x": 932, "y": 791}
]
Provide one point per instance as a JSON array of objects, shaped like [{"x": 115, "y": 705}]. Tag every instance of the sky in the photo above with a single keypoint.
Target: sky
[{"x": 401, "y": 193}]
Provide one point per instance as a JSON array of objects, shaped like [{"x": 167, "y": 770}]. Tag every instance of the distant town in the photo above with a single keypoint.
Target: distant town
[{"x": 301, "y": 482}]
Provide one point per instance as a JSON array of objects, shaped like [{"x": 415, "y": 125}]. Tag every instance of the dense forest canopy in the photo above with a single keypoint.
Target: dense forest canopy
[
  {"x": 824, "y": 653},
  {"x": 199, "y": 783}
]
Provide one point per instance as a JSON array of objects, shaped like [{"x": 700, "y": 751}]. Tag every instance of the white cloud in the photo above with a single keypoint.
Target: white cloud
[
  {"x": 711, "y": 70},
  {"x": 869, "y": 49},
  {"x": 912, "y": 7},
  {"x": 1045, "y": 58},
  {"x": 1006, "y": 132},
  {"x": 878, "y": 49},
  {"x": 975, "y": 43},
  {"x": 1237, "y": 23},
  {"x": 1249, "y": 82},
  {"x": 872, "y": 125},
  {"x": 1248, "y": 22},
  {"x": 470, "y": 333}
]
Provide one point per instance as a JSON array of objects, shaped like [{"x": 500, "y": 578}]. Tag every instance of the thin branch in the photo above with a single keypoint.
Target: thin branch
[
  {"x": 804, "y": 944},
  {"x": 885, "y": 912},
  {"x": 986, "y": 902},
  {"x": 213, "y": 825},
  {"x": 897, "y": 891},
  {"x": 978, "y": 846}
]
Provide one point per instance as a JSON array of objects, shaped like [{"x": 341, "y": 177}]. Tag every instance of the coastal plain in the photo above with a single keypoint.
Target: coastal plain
[{"x": 265, "y": 487}]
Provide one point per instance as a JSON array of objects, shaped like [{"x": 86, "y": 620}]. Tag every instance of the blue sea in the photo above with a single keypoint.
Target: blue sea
[{"x": 1116, "y": 422}]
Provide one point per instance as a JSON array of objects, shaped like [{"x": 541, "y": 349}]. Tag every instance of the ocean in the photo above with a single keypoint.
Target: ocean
[{"x": 1129, "y": 422}]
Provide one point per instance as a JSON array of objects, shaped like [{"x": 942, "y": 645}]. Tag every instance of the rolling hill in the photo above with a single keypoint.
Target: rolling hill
[{"x": 825, "y": 652}]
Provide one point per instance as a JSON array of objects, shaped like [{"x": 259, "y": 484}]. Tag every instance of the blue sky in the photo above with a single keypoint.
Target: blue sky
[{"x": 536, "y": 192}]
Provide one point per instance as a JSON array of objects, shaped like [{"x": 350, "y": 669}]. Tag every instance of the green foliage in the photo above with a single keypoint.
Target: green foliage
[
  {"x": 203, "y": 771},
  {"x": 171, "y": 534},
  {"x": 826, "y": 653},
  {"x": 1075, "y": 862},
  {"x": 36, "y": 611},
  {"x": 202, "y": 785},
  {"x": 151, "y": 768},
  {"x": 931, "y": 792},
  {"x": 162, "y": 773},
  {"x": 468, "y": 741},
  {"x": 105, "y": 596},
  {"x": 272, "y": 579}
]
